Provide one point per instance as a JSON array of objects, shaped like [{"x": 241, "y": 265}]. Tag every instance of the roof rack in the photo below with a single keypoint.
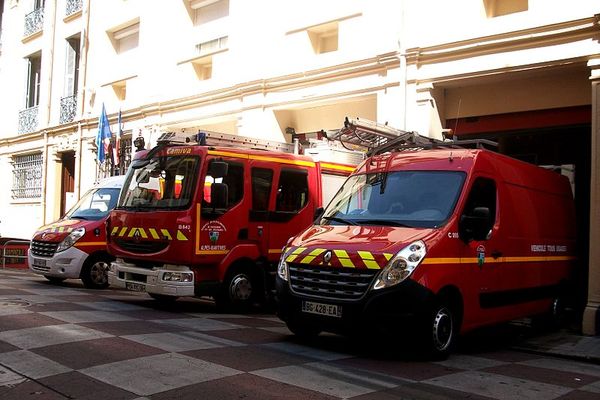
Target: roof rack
[{"x": 374, "y": 138}]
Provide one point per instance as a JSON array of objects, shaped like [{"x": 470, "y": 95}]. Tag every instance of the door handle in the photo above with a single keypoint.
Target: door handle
[{"x": 496, "y": 254}]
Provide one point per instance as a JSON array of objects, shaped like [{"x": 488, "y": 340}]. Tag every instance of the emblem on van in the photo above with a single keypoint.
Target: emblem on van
[
  {"x": 327, "y": 257},
  {"x": 136, "y": 236}
]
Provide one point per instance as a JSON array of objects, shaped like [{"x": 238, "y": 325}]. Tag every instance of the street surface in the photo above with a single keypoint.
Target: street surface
[{"x": 67, "y": 342}]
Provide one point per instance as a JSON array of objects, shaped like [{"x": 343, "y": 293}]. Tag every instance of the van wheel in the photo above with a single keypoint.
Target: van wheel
[
  {"x": 54, "y": 279},
  {"x": 239, "y": 290},
  {"x": 163, "y": 298},
  {"x": 94, "y": 273},
  {"x": 442, "y": 331}
]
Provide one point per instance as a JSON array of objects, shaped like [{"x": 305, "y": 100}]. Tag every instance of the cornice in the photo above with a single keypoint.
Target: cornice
[{"x": 547, "y": 35}]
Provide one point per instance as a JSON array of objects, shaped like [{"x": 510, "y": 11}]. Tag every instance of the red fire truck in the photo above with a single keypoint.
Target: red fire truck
[
  {"x": 432, "y": 241},
  {"x": 207, "y": 220}
]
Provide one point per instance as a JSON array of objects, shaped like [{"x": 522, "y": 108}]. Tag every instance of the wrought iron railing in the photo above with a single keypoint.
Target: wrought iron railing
[
  {"x": 73, "y": 6},
  {"x": 68, "y": 109},
  {"x": 34, "y": 22},
  {"x": 27, "y": 176},
  {"x": 28, "y": 119}
]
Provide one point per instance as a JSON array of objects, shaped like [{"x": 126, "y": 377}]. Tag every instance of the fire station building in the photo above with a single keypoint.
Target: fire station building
[{"x": 525, "y": 73}]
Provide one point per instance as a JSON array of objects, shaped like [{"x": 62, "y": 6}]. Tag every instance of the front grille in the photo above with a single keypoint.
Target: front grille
[
  {"x": 330, "y": 283},
  {"x": 141, "y": 247},
  {"x": 40, "y": 269},
  {"x": 43, "y": 249}
]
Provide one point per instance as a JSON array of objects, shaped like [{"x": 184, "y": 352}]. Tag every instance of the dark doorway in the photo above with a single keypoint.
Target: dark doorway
[{"x": 67, "y": 182}]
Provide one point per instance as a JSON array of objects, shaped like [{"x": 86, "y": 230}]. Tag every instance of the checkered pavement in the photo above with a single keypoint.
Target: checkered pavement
[{"x": 67, "y": 342}]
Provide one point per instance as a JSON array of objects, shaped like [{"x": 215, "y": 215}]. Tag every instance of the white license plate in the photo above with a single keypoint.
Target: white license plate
[
  {"x": 330, "y": 310},
  {"x": 136, "y": 287},
  {"x": 38, "y": 262}
]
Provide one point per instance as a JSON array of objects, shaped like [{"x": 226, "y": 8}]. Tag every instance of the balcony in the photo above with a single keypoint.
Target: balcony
[
  {"x": 68, "y": 109},
  {"x": 73, "y": 7},
  {"x": 34, "y": 22},
  {"x": 28, "y": 120}
]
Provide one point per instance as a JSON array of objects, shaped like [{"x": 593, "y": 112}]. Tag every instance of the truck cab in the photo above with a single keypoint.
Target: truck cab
[
  {"x": 74, "y": 247},
  {"x": 196, "y": 220}
]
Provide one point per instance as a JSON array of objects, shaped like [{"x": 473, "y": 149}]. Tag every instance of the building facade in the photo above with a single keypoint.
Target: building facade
[{"x": 522, "y": 72}]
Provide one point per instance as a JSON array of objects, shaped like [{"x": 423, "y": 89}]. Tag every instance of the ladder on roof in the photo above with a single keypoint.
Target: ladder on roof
[
  {"x": 374, "y": 138},
  {"x": 227, "y": 140}
]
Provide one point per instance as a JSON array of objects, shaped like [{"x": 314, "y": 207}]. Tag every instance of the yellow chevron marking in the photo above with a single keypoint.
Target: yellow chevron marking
[
  {"x": 388, "y": 256},
  {"x": 123, "y": 231},
  {"x": 166, "y": 234},
  {"x": 153, "y": 233},
  {"x": 181, "y": 236},
  {"x": 311, "y": 256},
  {"x": 295, "y": 254},
  {"x": 344, "y": 258},
  {"x": 114, "y": 231},
  {"x": 366, "y": 255},
  {"x": 371, "y": 264}
]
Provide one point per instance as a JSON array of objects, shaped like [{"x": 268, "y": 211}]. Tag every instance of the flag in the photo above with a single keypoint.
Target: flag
[
  {"x": 103, "y": 136},
  {"x": 117, "y": 147}
]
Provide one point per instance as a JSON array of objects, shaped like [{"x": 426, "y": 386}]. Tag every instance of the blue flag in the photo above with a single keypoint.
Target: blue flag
[{"x": 103, "y": 136}]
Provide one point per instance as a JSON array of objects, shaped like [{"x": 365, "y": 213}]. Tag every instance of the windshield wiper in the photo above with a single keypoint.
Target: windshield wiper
[
  {"x": 78, "y": 217},
  {"x": 340, "y": 220},
  {"x": 385, "y": 222}
]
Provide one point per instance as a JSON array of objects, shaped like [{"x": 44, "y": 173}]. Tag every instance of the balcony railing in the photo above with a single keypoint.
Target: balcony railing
[
  {"x": 73, "y": 6},
  {"x": 34, "y": 22},
  {"x": 68, "y": 108},
  {"x": 28, "y": 119}
]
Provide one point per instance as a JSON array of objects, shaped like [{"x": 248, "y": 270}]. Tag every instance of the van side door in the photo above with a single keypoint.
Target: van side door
[
  {"x": 482, "y": 253},
  {"x": 261, "y": 176}
]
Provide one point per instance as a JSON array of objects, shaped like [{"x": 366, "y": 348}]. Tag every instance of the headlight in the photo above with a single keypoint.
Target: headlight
[
  {"x": 282, "y": 268},
  {"x": 178, "y": 276},
  {"x": 71, "y": 239},
  {"x": 401, "y": 266}
]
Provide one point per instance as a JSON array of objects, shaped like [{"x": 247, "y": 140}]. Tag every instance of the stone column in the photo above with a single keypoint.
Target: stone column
[{"x": 591, "y": 316}]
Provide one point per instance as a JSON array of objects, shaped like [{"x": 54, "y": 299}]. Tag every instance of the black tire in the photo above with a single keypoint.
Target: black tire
[
  {"x": 441, "y": 331},
  {"x": 54, "y": 280},
  {"x": 163, "y": 298},
  {"x": 94, "y": 272},
  {"x": 239, "y": 291},
  {"x": 303, "y": 331}
]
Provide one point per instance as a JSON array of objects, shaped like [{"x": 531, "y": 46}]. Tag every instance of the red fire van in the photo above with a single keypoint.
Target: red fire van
[{"x": 437, "y": 241}]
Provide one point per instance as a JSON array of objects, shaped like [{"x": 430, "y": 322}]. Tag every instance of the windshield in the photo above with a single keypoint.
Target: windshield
[
  {"x": 94, "y": 205},
  {"x": 402, "y": 198},
  {"x": 160, "y": 183}
]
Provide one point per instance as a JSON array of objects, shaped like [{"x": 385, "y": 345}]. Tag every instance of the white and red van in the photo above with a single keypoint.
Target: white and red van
[{"x": 75, "y": 245}]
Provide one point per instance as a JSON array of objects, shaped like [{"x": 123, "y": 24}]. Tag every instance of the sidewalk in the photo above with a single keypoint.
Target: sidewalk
[{"x": 563, "y": 343}]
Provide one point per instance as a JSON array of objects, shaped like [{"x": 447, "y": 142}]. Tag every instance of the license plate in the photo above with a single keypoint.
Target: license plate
[
  {"x": 37, "y": 262},
  {"x": 330, "y": 310},
  {"x": 136, "y": 287}
]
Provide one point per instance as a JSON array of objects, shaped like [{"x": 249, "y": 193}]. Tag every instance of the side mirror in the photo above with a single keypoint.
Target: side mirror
[
  {"x": 217, "y": 169},
  {"x": 318, "y": 213},
  {"x": 219, "y": 193},
  {"x": 475, "y": 225}
]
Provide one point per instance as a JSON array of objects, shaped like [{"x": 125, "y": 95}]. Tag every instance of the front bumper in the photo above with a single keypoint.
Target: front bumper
[
  {"x": 387, "y": 311},
  {"x": 127, "y": 276},
  {"x": 65, "y": 264}
]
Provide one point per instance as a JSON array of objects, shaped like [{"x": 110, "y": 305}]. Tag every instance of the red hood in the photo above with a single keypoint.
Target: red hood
[
  {"x": 353, "y": 246},
  {"x": 57, "y": 231}
]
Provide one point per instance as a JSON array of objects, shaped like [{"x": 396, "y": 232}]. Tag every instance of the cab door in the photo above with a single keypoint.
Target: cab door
[
  {"x": 261, "y": 178},
  {"x": 482, "y": 257},
  {"x": 293, "y": 206}
]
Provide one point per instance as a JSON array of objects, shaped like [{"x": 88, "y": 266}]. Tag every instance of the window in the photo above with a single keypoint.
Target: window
[
  {"x": 205, "y": 11},
  {"x": 203, "y": 62},
  {"x": 125, "y": 39},
  {"x": 324, "y": 38},
  {"x": 27, "y": 176},
  {"x": 212, "y": 46},
  {"x": 497, "y": 8},
  {"x": 482, "y": 195},
  {"x": 292, "y": 192},
  {"x": 235, "y": 185},
  {"x": 72, "y": 66},
  {"x": 34, "y": 68},
  {"x": 262, "y": 179}
]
